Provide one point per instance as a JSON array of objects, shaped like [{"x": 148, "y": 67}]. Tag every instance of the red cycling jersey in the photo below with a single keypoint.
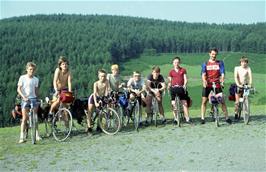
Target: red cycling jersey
[
  {"x": 213, "y": 70},
  {"x": 177, "y": 77}
]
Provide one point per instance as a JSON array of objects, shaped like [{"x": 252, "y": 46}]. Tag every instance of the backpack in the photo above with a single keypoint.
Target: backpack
[{"x": 232, "y": 91}]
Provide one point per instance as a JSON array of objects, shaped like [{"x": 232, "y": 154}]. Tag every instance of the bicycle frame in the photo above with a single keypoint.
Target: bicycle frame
[{"x": 214, "y": 101}]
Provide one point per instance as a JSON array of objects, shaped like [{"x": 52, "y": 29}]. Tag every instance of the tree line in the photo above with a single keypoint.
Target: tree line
[{"x": 91, "y": 42}]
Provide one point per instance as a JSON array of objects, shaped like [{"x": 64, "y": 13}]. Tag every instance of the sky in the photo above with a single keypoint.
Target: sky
[{"x": 215, "y": 11}]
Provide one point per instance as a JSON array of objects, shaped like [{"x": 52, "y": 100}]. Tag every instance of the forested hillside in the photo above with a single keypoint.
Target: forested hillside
[{"x": 95, "y": 41}]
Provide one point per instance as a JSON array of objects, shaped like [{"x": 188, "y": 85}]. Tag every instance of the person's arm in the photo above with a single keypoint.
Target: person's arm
[
  {"x": 236, "y": 77},
  {"x": 163, "y": 86},
  {"x": 37, "y": 88},
  {"x": 203, "y": 75},
  {"x": 129, "y": 84},
  {"x": 185, "y": 81},
  {"x": 19, "y": 90},
  {"x": 222, "y": 71},
  {"x": 108, "y": 88},
  {"x": 169, "y": 81},
  {"x": 56, "y": 75},
  {"x": 69, "y": 82},
  {"x": 95, "y": 94},
  {"x": 250, "y": 76}
]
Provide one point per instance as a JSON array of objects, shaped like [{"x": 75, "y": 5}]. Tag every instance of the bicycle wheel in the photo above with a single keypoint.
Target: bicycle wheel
[
  {"x": 109, "y": 121},
  {"x": 62, "y": 124},
  {"x": 155, "y": 110},
  {"x": 33, "y": 127},
  {"x": 125, "y": 117},
  {"x": 216, "y": 115},
  {"x": 177, "y": 111},
  {"x": 239, "y": 111},
  {"x": 246, "y": 111},
  {"x": 136, "y": 115}
]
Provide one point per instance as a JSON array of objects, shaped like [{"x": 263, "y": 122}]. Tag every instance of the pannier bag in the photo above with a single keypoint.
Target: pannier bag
[
  {"x": 232, "y": 91},
  {"x": 66, "y": 97}
]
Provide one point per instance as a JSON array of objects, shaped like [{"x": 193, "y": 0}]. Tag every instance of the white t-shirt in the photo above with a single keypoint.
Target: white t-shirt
[
  {"x": 242, "y": 74},
  {"x": 136, "y": 85},
  {"x": 114, "y": 81},
  {"x": 28, "y": 85}
]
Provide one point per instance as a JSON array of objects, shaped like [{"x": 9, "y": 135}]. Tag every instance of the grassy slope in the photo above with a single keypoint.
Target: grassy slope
[{"x": 192, "y": 62}]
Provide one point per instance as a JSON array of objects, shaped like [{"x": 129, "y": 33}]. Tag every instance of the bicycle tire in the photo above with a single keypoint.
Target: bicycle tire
[
  {"x": 155, "y": 110},
  {"x": 109, "y": 121},
  {"x": 177, "y": 113},
  {"x": 136, "y": 115},
  {"x": 125, "y": 118},
  {"x": 239, "y": 110},
  {"x": 246, "y": 111},
  {"x": 216, "y": 115},
  {"x": 62, "y": 124},
  {"x": 33, "y": 127}
]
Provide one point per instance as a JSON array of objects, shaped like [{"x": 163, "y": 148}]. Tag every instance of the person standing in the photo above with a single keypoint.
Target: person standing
[{"x": 212, "y": 71}]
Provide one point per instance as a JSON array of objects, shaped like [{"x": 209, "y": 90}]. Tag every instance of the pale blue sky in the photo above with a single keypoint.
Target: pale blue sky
[{"x": 176, "y": 10}]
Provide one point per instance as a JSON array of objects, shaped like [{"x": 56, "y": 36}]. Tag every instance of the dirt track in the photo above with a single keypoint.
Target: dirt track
[{"x": 191, "y": 148}]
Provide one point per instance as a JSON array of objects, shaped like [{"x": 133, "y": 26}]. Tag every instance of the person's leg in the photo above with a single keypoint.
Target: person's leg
[
  {"x": 160, "y": 104},
  {"x": 23, "y": 125},
  {"x": 237, "y": 96},
  {"x": 185, "y": 107},
  {"x": 89, "y": 116},
  {"x": 54, "y": 105},
  {"x": 203, "y": 108},
  {"x": 205, "y": 93},
  {"x": 148, "y": 106},
  {"x": 35, "y": 117}
]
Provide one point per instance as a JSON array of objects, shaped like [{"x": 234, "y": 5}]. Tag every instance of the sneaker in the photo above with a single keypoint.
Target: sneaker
[
  {"x": 175, "y": 122},
  {"x": 88, "y": 131},
  {"x": 236, "y": 117},
  {"x": 99, "y": 129},
  {"x": 189, "y": 122},
  {"x": 21, "y": 140},
  {"x": 50, "y": 117},
  {"x": 164, "y": 121},
  {"x": 38, "y": 138},
  {"x": 146, "y": 123},
  {"x": 228, "y": 121},
  {"x": 202, "y": 121}
]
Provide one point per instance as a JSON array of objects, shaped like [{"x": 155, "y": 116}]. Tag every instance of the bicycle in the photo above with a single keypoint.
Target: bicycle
[
  {"x": 155, "y": 104},
  {"x": 33, "y": 120},
  {"x": 108, "y": 119},
  {"x": 179, "y": 111},
  {"x": 62, "y": 121},
  {"x": 243, "y": 105},
  {"x": 215, "y": 100}
]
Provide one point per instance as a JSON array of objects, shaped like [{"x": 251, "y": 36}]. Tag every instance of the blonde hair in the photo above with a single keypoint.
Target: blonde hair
[
  {"x": 30, "y": 64},
  {"x": 114, "y": 67},
  {"x": 62, "y": 59}
]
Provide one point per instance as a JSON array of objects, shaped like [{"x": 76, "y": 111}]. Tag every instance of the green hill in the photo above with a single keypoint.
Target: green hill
[{"x": 95, "y": 41}]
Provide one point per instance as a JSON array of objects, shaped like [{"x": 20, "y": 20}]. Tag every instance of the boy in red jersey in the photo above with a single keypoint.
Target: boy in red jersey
[{"x": 212, "y": 71}]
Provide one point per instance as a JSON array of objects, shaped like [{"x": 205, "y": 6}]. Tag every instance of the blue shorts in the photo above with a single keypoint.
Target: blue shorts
[{"x": 26, "y": 104}]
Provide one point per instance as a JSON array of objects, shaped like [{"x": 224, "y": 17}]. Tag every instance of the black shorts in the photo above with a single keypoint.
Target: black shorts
[
  {"x": 206, "y": 91},
  {"x": 180, "y": 92}
]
